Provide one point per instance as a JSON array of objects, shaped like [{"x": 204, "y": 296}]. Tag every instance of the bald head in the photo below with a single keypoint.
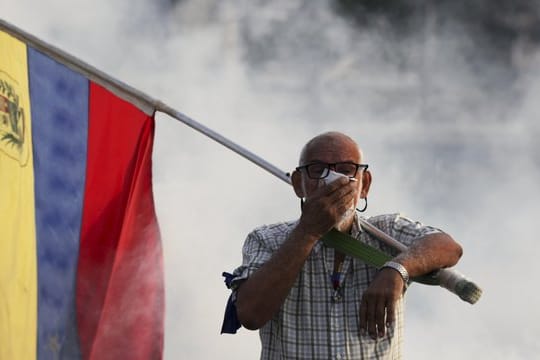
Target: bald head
[{"x": 334, "y": 142}]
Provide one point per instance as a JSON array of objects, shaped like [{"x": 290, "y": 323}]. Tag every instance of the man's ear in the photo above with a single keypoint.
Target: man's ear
[
  {"x": 296, "y": 179},
  {"x": 366, "y": 183}
]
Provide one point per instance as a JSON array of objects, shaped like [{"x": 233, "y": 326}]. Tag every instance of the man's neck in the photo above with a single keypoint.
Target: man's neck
[{"x": 346, "y": 225}]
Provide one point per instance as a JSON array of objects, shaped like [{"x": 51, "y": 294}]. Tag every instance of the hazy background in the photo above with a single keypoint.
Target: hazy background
[{"x": 443, "y": 99}]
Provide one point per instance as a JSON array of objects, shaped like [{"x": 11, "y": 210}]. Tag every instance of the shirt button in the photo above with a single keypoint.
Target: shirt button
[{"x": 339, "y": 356}]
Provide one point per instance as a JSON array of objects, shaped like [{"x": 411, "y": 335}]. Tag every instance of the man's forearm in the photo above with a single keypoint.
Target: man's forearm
[
  {"x": 262, "y": 294},
  {"x": 432, "y": 252}
]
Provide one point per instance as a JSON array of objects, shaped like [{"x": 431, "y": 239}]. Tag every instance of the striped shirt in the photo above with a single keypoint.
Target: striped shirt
[{"x": 317, "y": 321}]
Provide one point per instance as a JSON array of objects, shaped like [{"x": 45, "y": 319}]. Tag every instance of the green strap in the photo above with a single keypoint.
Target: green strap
[
  {"x": 350, "y": 246},
  {"x": 370, "y": 255}
]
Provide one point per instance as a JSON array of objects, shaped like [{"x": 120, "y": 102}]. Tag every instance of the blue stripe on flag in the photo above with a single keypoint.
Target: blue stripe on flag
[{"x": 59, "y": 105}]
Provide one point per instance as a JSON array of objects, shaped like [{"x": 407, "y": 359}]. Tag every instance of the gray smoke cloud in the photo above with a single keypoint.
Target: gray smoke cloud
[{"x": 448, "y": 124}]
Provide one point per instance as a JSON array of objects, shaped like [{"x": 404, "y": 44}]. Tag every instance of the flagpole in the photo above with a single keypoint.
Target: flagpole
[
  {"x": 149, "y": 105},
  {"x": 143, "y": 101}
]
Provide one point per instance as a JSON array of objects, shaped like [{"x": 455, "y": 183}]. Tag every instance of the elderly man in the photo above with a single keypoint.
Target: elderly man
[{"x": 312, "y": 302}]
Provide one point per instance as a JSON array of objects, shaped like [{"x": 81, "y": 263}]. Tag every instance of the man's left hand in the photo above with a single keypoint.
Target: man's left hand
[{"x": 377, "y": 309}]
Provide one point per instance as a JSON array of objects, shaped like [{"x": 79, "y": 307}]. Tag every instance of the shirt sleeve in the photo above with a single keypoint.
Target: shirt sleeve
[{"x": 254, "y": 254}]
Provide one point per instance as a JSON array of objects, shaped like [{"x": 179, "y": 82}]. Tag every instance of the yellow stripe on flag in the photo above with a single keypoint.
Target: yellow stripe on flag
[{"x": 18, "y": 287}]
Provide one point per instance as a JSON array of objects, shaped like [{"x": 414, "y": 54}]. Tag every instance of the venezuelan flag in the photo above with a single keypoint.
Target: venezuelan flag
[{"x": 81, "y": 270}]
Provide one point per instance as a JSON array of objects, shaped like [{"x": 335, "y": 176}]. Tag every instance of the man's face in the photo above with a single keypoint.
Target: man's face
[{"x": 331, "y": 151}]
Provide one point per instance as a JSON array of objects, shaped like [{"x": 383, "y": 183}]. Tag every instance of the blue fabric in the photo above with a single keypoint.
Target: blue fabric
[
  {"x": 230, "y": 321},
  {"x": 59, "y": 99}
]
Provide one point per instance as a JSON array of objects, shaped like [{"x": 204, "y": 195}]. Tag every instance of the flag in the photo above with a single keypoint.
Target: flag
[{"x": 81, "y": 269}]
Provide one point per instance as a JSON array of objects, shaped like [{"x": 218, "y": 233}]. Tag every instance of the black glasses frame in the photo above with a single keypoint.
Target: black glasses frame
[{"x": 330, "y": 165}]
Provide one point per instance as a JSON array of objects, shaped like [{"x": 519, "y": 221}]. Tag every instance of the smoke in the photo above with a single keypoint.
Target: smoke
[{"x": 446, "y": 115}]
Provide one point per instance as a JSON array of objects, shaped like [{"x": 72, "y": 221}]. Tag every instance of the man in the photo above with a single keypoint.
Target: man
[{"x": 311, "y": 302}]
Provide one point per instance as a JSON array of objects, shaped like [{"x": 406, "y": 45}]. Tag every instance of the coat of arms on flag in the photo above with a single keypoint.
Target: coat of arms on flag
[{"x": 12, "y": 120}]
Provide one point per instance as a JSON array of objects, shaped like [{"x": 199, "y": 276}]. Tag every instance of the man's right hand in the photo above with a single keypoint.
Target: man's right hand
[{"x": 324, "y": 208}]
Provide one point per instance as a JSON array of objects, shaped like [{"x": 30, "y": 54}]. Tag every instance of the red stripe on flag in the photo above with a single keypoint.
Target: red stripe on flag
[{"x": 120, "y": 291}]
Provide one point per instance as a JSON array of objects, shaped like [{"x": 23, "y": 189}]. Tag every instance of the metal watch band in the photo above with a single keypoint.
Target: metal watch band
[{"x": 399, "y": 268}]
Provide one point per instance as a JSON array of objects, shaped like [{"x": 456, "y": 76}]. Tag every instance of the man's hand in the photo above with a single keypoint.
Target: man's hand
[
  {"x": 428, "y": 253},
  {"x": 324, "y": 208},
  {"x": 377, "y": 310}
]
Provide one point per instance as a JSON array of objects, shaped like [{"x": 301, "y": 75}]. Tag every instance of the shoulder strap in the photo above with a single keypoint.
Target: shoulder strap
[{"x": 350, "y": 246}]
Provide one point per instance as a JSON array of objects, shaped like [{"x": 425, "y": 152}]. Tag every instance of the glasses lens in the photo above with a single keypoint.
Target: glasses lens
[
  {"x": 348, "y": 169},
  {"x": 317, "y": 170}
]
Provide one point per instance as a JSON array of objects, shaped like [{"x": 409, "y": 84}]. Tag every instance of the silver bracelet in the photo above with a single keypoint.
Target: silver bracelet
[{"x": 399, "y": 268}]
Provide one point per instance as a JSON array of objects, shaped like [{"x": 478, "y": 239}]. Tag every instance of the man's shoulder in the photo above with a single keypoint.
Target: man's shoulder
[
  {"x": 399, "y": 225},
  {"x": 275, "y": 229},
  {"x": 271, "y": 235}
]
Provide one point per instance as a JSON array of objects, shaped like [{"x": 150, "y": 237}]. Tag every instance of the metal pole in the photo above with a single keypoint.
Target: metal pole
[{"x": 149, "y": 105}]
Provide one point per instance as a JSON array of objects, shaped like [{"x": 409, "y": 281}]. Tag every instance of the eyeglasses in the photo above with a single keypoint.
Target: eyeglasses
[{"x": 320, "y": 170}]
